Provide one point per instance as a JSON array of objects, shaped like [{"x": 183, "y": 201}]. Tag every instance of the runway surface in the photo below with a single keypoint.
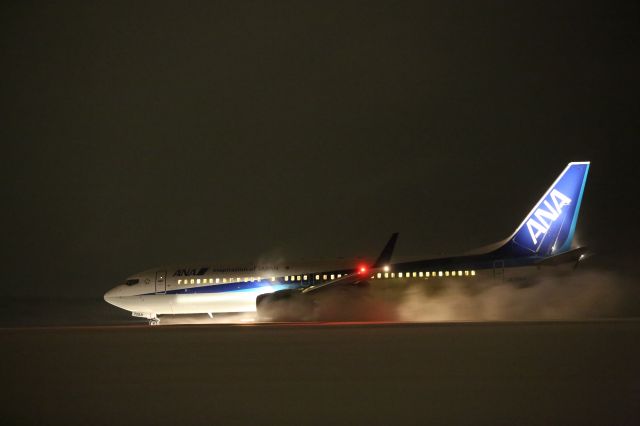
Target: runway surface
[{"x": 350, "y": 373}]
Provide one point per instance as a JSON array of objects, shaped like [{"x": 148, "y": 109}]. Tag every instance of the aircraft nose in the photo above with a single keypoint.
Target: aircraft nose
[{"x": 111, "y": 295}]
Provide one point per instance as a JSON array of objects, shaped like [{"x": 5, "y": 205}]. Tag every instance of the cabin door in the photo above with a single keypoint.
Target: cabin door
[
  {"x": 498, "y": 270},
  {"x": 161, "y": 282}
]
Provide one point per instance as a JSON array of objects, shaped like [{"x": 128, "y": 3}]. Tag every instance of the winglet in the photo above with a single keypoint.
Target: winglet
[{"x": 387, "y": 251}]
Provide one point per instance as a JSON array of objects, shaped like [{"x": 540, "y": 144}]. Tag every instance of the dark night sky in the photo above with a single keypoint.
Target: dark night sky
[{"x": 137, "y": 134}]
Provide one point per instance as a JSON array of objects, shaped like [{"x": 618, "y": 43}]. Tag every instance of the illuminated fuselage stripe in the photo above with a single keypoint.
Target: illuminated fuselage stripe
[{"x": 229, "y": 287}]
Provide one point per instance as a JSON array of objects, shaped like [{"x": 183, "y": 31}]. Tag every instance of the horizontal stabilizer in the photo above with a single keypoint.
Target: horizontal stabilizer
[{"x": 562, "y": 258}]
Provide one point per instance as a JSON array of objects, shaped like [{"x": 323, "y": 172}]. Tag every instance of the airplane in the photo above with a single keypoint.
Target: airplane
[{"x": 543, "y": 239}]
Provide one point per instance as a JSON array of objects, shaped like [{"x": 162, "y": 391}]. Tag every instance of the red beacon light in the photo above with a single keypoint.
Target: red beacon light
[{"x": 362, "y": 269}]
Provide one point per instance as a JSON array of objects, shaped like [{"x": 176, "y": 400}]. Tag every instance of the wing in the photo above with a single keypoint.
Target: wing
[{"x": 359, "y": 276}]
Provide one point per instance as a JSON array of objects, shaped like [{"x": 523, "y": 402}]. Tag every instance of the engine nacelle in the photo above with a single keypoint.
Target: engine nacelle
[{"x": 285, "y": 306}]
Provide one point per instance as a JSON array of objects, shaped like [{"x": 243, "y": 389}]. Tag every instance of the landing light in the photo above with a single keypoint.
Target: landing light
[{"x": 386, "y": 268}]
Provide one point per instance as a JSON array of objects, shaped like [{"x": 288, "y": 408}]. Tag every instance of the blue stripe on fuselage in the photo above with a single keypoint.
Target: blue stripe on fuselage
[{"x": 232, "y": 287}]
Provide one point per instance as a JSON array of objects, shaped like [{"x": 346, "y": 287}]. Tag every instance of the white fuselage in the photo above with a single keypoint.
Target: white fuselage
[
  {"x": 210, "y": 290},
  {"x": 204, "y": 289}
]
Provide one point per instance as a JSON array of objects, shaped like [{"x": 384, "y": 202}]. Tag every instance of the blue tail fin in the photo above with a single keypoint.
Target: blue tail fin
[{"x": 549, "y": 227}]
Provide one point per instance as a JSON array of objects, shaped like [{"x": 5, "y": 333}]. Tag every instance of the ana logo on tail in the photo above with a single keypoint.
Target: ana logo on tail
[{"x": 537, "y": 224}]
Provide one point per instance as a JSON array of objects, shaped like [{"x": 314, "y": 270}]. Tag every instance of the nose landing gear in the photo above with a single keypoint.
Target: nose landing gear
[{"x": 153, "y": 318}]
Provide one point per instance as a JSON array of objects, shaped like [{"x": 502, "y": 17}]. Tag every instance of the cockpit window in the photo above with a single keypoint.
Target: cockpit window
[{"x": 132, "y": 282}]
